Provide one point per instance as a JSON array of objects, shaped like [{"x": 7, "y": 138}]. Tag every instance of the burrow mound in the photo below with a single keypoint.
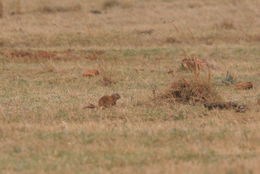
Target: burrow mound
[{"x": 190, "y": 92}]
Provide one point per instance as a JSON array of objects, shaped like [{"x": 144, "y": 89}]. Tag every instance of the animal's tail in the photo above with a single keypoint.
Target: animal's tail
[{"x": 90, "y": 106}]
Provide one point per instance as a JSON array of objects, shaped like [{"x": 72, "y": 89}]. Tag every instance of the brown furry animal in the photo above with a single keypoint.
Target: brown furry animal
[{"x": 105, "y": 101}]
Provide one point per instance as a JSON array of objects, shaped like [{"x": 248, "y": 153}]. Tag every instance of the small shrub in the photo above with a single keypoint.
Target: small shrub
[
  {"x": 195, "y": 64},
  {"x": 190, "y": 92}
]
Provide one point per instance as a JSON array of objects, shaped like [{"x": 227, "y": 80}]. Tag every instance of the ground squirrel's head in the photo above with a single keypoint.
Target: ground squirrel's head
[{"x": 116, "y": 96}]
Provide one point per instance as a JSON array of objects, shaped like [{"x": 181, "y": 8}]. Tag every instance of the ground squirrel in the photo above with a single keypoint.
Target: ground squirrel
[{"x": 105, "y": 101}]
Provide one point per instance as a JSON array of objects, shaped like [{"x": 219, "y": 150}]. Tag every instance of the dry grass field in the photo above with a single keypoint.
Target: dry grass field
[{"x": 137, "y": 46}]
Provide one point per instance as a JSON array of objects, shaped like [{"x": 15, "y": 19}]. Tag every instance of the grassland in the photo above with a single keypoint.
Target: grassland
[{"x": 47, "y": 46}]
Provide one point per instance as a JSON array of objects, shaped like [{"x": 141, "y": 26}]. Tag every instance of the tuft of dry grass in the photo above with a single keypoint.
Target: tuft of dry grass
[
  {"x": 194, "y": 64},
  {"x": 190, "y": 91}
]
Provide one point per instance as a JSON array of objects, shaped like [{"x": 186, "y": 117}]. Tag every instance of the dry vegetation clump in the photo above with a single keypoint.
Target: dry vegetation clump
[
  {"x": 59, "y": 9},
  {"x": 195, "y": 64},
  {"x": 190, "y": 92}
]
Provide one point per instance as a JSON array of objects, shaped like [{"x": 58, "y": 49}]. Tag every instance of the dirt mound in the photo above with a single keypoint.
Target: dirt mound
[{"x": 190, "y": 92}]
